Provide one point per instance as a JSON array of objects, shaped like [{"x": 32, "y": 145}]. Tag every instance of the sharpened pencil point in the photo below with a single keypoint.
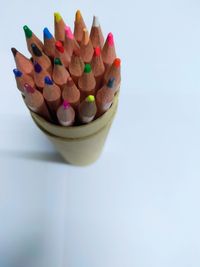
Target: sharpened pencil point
[
  {"x": 78, "y": 16},
  {"x": 48, "y": 80},
  {"x": 27, "y": 31},
  {"x": 117, "y": 62},
  {"x": 87, "y": 68},
  {"x": 37, "y": 67},
  {"x": 57, "y": 16},
  {"x": 69, "y": 33},
  {"x": 95, "y": 22},
  {"x": 14, "y": 51},
  {"x": 90, "y": 98},
  {"x": 110, "y": 83},
  {"x": 36, "y": 51},
  {"x": 47, "y": 34},
  {"x": 66, "y": 104},
  {"x": 59, "y": 46},
  {"x": 17, "y": 73},
  {"x": 57, "y": 61},
  {"x": 97, "y": 51},
  {"x": 28, "y": 88},
  {"x": 110, "y": 39}
]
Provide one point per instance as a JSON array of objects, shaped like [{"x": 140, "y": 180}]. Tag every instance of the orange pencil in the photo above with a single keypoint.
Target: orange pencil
[
  {"x": 32, "y": 38},
  {"x": 39, "y": 75},
  {"x": 76, "y": 66},
  {"x": 108, "y": 52},
  {"x": 60, "y": 74},
  {"x": 71, "y": 93},
  {"x": 79, "y": 25},
  {"x": 61, "y": 53},
  {"x": 66, "y": 114},
  {"x": 96, "y": 35},
  {"x": 22, "y": 63},
  {"x": 98, "y": 67},
  {"x": 86, "y": 47},
  {"x": 86, "y": 82},
  {"x": 21, "y": 79},
  {"x": 49, "y": 43},
  {"x": 114, "y": 72},
  {"x": 59, "y": 26},
  {"x": 41, "y": 58},
  {"x": 52, "y": 96},
  {"x": 87, "y": 109},
  {"x": 105, "y": 96},
  {"x": 35, "y": 102}
]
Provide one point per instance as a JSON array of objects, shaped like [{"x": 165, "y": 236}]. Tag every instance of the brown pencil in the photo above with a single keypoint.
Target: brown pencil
[
  {"x": 32, "y": 38},
  {"x": 86, "y": 82},
  {"x": 71, "y": 93},
  {"x": 52, "y": 95},
  {"x": 22, "y": 63},
  {"x": 61, "y": 53},
  {"x": 66, "y": 114},
  {"x": 21, "y": 79},
  {"x": 105, "y": 96},
  {"x": 114, "y": 72},
  {"x": 108, "y": 52},
  {"x": 35, "y": 102},
  {"x": 87, "y": 109},
  {"x": 86, "y": 47},
  {"x": 59, "y": 27},
  {"x": 39, "y": 75},
  {"x": 60, "y": 74},
  {"x": 76, "y": 66},
  {"x": 96, "y": 35},
  {"x": 79, "y": 25},
  {"x": 49, "y": 43},
  {"x": 98, "y": 67},
  {"x": 41, "y": 58}
]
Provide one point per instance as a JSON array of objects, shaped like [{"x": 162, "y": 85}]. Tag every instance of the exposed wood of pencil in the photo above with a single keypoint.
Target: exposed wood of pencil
[
  {"x": 52, "y": 96},
  {"x": 86, "y": 48},
  {"x": 79, "y": 25},
  {"x": 86, "y": 84},
  {"x": 32, "y": 38},
  {"x": 76, "y": 66},
  {"x": 98, "y": 67},
  {"x": 20, "y": 81},
  {"x": 108, "y": 52},
  {"x": 60, "y": 74},
  {"x": 49, "y": 46},
  {"x": 41, "y": 58},
  {"x": 104, "y": 99},
  {"x": 96, "y": 35},
  {"x": 39, "y": 75},
  {"x": 61, "y": 53},
  {"x": 71, "y": 93},
  {"x": 114, "y": 72},
  {"x": 87, "y": 110},
  {"x": 59, "y": 27}
]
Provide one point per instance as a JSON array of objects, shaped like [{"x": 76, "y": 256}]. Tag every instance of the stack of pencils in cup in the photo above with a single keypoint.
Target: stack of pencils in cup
[{"x": 71, "y": 78}]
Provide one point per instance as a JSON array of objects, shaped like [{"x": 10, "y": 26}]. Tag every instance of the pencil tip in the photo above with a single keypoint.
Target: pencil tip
[
  {"x": 70, "y": 82},
  {"x": 27, "y": 31},
  {"x": 28, "y": 88},
  {"x": 66, "y": 104},
  {"x": 37, "y": 67},
  {"x": 110, "y": 83},
  {"x": 117, "y": 62},
  {"x": 87, "y": 68},
  {"x": 86, "y": 36},
  {"x": 95, "y": 22},
  {"x": 57, "y": 16},
  {"x": 36, "y": 51},
  {"x": 14, "y": 51},
  {"x": 78, "y": 16},
  {"x": 57, "y": 61},
  {"x": 69, "y": 33},
  {"x": 48, "y": 80},
  {"x": 17, "y": 73},
  {"x": 110, "y": 39},
  {"x": 59, "y": 46},
  {"x": 47, "y": 34},
  {"x": 97, "y": 51},
  {"x": 90, "y": 98}
]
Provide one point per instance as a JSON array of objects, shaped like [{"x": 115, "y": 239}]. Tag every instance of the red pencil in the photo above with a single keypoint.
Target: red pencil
[
  {"x": 108, "y": 52},
  {"x": 61, "y": 53},
  {"x": 98, "y": 67}
]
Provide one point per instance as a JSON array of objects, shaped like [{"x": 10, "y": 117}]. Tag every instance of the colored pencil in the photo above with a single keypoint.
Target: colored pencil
[
  {"x": 66, "y": 114},
  {"x": 39, "y": 75},
  {"x": 60, "y": 73},
  {"x": 86, "y": 48},
  {"x": 87, "y": 109},
  {"x": 32, "y": 38},
  {"x": 79, "y": 25},
  {"x": 41, "y": 58},
  {"x": 96, "y": 35},
  {"x": 108, "y": 52},
  {"x": 86, "y": 82},
  {"x": 59, "y": 27},
  {"x": 98, "y": 67},
  {"x": 61, "y": 53},
  {"x": 35, "y": 101},
  {"x": 71, "y": 93},
  {"x": 21, "y": 79},
  {"x": 76, "y": 66},
  {"x": 22, "y": 63},
  {"x": 114, "y": 72},
  {"x": 49, "y": 43}
]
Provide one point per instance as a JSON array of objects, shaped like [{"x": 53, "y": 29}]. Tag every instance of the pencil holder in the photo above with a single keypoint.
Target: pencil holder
[{"x": 79, "y": 145}]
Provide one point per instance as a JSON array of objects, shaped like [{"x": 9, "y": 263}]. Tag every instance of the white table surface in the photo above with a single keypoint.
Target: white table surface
[{"x": 138, "y": 205}]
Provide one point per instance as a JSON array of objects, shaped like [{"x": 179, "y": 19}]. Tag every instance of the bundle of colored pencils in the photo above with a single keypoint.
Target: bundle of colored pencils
[{"x": 71, "y": 78}]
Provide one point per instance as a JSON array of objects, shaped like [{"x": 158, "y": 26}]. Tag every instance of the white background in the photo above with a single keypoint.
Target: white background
[{"x": 138, "y": 205}]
